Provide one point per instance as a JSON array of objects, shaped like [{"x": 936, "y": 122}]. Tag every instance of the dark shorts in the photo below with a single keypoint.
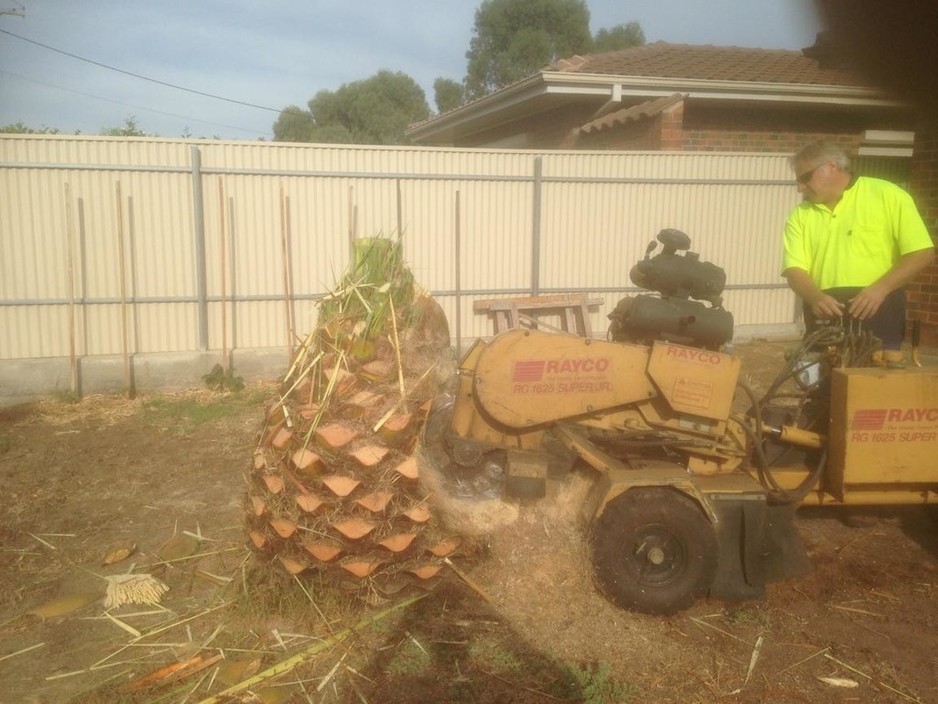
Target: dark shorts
[{"x": 888, "y": 324}]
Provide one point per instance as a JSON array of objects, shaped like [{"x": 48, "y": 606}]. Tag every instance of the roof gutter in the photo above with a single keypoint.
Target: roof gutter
[{"x": 614, "y": 87}]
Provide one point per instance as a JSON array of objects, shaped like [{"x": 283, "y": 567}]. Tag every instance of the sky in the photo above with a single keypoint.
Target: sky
[{"x": 242, "y": 61}]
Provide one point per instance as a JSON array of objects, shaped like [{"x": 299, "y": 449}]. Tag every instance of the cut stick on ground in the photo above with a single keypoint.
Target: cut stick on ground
[
  {"x": 878, "y": 683},
  {"x": 754, "y": 658},
  {"x": 291, "y": 662},
  {"x": 857, "y": 611},
  {"x": 822, "y": 651},
  {"x": 465, "y": 578},
  {"x": 718, "y": 630},
  {"x": 21, "y": 652}
]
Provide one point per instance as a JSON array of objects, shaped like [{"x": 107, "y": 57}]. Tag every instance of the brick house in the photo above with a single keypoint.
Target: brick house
[{"x": 677, "y": 97}]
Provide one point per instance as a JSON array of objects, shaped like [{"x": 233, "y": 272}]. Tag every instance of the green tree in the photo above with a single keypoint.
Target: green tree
[
  {"x": 622, "y": 36},
  {"x": 294, "y": 124},
  {"x": 375, "y": 110},
  {"x": 130, "y": 129},
  {"x": 448, "y": 94},
  {"x": 22, "y": 128},
  {"x": 513, "y": 39}
]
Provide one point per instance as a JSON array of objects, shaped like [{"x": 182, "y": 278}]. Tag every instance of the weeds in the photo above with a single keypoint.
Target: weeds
[
  {"x": 494, "y": 657},
  {"x": 409, "y": 659},
  {"x": 223, "y": 380},
  {"x": 187, "y": 413},
  {"x": 595, "y": 686},
  {"x": 749, "y": 615}
]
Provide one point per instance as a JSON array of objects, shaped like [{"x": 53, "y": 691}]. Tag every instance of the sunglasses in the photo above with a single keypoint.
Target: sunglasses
[{"x": 806, "y": 176}]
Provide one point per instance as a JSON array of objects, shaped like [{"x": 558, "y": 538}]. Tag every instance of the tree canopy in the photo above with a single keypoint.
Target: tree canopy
[
  {"x": 622, "y": 36},
  {"x": 448, "y": 94},
  {"x": 513, "y": 39},
  {"x": 375, "y": 110}
]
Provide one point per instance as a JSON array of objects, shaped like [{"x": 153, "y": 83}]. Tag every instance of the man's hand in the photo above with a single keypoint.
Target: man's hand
[
  {"x": 865, "y": 304},
  {"x": 826, "y": 307}
]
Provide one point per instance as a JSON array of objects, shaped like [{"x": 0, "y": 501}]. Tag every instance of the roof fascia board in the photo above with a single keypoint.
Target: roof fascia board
[
  {"x": 514, "y": 94},
  {"x": 697, "y": 88}
]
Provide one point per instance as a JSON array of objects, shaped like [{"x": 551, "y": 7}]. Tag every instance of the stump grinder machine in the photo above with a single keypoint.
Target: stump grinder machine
[{"x": 695, "y": 478}]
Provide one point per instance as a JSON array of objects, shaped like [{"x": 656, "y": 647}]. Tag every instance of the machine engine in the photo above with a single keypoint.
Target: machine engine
[{"x": 672, "y": 316}]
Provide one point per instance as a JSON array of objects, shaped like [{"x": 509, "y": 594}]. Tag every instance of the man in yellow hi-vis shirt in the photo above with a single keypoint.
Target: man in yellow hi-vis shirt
[{"x": 852, "y": 245}]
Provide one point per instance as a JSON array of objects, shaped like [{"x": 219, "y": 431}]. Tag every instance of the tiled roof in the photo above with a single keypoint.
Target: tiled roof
[
  {"x": 713, "y": 63},
  {"x": 632, "y": 114}
]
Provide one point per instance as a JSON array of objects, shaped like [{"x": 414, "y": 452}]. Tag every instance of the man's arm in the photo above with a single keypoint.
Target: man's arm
[
  {"x": 865, "y": 304},
  {"x": 822, "y": 305}
]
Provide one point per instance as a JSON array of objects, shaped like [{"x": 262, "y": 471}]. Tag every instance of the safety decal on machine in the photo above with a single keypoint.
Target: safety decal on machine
[{"x": 692, "y": 392}]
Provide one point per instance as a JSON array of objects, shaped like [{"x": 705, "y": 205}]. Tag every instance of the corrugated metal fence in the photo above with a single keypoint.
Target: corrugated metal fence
[{"x": 133, "y": 247}]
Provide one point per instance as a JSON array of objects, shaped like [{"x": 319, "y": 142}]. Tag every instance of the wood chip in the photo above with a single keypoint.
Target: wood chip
[
  {"x": 308, "y": 411},
  {"x": 375, "y": 502},
  {"x": 65, "y": 605},
  {"x": 360, "y": 569},
  {"x": 304, "y": 458},
  {"x": 379, "y": 370},
  {"x": 445, "y": 547},
  {"x": 282, "y": 438},
  {"x": 370, "y": 455},
  {"x": 260, "y": 460},
  {"x": 398, "y": 542},
  {"x": 419, "y": 513},
  {"x": 283, "y": 527},
  {"x": 309, "y": 502},
  {"x": 258, "y": 538},
  {"x": 274, "y": 483},
  {"x": 354, "y": 528},
  {"x": 335, "y": 435},
  {"x": 119, "y": 554},
  {"x": 340, "y": 485},
  {"x": 259, "y": 505},
  {"x": 292, "y": 565},
  {"x": 839, "y": 682},
  {"x": 323, "y": 551},
  {"x": 396, "y": 425},
  {"x": 425, "y": 571},
  {"x": 408, "y": 468}
]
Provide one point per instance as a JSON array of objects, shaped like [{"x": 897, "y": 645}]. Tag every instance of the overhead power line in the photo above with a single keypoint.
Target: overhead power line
[
  {"x": 137, "y": 75},
  {"x": 129, "y": 105}
]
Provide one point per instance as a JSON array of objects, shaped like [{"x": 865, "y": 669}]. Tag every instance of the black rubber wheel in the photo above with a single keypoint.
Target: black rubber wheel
[{"x": 654, "y": 550}]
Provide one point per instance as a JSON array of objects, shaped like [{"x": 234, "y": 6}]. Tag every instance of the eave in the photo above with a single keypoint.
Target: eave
[{"x": 550, "y": 89}]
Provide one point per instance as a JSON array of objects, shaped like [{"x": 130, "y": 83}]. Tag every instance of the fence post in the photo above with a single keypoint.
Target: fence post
[
  {"x": 198, "y": 217},
  {"x": 536, "y": 228}
]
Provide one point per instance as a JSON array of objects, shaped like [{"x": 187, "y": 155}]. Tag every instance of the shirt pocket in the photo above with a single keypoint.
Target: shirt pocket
[{"x": 873, "y": 240}]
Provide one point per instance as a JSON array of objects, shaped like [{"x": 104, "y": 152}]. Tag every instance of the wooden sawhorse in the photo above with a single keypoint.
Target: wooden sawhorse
[{"x": 512, "y": 313}]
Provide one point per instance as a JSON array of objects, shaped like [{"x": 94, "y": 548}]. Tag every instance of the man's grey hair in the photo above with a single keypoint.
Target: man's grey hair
[{"x": 817, "y": 153}]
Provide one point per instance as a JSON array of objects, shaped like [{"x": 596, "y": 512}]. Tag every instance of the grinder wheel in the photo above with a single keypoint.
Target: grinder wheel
[{"x": 654, "y": 550}]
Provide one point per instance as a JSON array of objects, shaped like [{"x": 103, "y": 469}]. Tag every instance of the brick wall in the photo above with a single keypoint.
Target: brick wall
[{"x": 923, "y": 184}]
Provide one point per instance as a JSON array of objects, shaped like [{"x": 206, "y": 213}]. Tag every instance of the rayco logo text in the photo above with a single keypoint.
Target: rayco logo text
[
  {"x": 534, "y": 370},
  {"x": 550, "y": 376},
  {"x": 694, "y": 355},
  {"x": 880, "y": 424}
]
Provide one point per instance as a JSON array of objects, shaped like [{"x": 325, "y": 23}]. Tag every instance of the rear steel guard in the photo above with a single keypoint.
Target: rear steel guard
[{"x": 758, "y": 544}]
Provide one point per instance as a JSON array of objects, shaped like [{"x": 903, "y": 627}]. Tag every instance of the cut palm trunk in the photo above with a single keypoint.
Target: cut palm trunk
[{"x": 332, "y": 489}]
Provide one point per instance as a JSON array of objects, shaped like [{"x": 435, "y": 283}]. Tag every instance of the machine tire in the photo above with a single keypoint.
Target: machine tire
[{"x": 654, "y": 550}]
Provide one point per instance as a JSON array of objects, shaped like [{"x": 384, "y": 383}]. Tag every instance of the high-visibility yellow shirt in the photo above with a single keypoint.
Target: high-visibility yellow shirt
[{"x": 862, "y": 238}]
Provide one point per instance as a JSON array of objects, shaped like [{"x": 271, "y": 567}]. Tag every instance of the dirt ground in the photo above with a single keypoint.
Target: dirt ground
[{"x": 522, "y": 622}]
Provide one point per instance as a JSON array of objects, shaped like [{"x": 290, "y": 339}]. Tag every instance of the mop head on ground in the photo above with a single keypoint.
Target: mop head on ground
[{"x": 133, "y": 589}]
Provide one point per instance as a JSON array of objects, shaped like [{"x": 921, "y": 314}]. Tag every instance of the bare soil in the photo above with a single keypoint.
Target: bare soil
[{"x": 522, "y": 622}]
